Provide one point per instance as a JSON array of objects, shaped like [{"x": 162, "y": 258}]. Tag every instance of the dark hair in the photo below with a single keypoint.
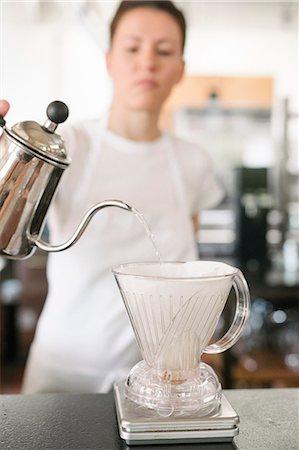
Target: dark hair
[{"x": 161, "y": 5}]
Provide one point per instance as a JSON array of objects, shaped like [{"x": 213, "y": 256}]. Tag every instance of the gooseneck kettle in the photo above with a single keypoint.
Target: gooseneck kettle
[{"x": 33, "y": 159}]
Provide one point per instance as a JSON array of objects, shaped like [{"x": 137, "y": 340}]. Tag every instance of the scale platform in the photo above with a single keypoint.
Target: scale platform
[{"x": 141, "y": 426}]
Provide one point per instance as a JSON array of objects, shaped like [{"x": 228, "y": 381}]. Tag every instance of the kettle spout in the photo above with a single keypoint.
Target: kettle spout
[{"x": 81, "y": 228}]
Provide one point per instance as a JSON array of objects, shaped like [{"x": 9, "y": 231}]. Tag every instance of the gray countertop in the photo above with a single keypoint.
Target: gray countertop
[{"x": 268, "y": 421}]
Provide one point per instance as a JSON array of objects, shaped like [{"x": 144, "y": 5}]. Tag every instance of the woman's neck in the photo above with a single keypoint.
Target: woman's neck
[{"x": 134, "y": 125}]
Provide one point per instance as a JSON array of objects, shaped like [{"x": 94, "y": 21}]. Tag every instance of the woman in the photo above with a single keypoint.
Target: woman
[{"x": 84, "y": 341}]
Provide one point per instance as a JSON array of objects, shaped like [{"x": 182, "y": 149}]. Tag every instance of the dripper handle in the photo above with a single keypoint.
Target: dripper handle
[{"x": 240, "y": 318}]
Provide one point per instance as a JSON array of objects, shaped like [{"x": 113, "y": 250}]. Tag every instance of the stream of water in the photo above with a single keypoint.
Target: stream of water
[{"x": 150, "y": 235}]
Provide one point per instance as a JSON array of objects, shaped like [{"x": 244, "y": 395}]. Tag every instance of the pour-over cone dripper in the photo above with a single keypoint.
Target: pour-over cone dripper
[{"x": 174, "y": 309}]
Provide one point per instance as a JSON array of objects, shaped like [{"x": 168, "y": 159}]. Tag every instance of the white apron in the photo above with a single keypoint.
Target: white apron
[{"x": 68, "y": 361}]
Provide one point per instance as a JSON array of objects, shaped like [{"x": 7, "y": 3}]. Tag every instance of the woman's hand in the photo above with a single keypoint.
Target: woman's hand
[{"x": 4, "y": 107}]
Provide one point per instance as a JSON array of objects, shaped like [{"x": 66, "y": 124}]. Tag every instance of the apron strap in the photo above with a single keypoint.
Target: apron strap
[
  {"x": 180, "y": 189},
  {"x": 177, "y": 177}
]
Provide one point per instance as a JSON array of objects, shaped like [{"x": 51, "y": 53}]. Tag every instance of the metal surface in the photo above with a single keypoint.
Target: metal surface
[
  {"x": 42, "y": 141},
  {"x": 269, "y": 420},
  {"x": 81, "y": 228},
  {"x": 27, "y": 185},
  {"x": 32, "y": 162},
  {"x": 135, "y": 418},
  {"x": 139, "y": 425},
  {"x": 50, "y": 126}
]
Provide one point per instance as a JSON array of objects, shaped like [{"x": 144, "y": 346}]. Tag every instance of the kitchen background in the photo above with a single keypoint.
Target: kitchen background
[{"x": 239, "y": 98}]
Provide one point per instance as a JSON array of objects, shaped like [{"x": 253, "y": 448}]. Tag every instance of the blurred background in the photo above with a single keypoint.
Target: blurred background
[{"x": 239, "y": 99}]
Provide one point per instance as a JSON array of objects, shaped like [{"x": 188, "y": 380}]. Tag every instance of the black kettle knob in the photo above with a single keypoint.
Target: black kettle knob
[{"x": 57, "y": 112}]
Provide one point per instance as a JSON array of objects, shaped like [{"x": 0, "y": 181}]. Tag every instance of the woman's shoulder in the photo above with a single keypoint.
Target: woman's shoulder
[
  {"x": 80, "y": 135},
  {"x": 198, "y": 170},
  {"x": 188, "y": 150}
]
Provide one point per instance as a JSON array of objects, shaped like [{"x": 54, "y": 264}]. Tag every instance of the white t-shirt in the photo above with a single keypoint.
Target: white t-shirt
[{"x": 84, "y": 340}]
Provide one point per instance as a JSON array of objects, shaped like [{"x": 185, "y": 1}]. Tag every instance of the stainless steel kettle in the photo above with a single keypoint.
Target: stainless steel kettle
[{"x": 33, "y": 159}]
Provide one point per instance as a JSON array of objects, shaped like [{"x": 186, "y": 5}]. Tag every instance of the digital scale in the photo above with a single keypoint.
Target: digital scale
[{"x": 140, "y": 426}]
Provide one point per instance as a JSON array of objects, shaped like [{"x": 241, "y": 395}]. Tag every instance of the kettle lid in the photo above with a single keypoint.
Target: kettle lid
[{"x": 42, "y": 139}]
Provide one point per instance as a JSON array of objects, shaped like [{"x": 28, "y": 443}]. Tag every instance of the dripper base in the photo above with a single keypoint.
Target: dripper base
[{"x": 200, "y": 394}]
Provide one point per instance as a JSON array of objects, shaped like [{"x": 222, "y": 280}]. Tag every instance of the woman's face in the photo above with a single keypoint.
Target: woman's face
[{"x": 145, "y": 59}]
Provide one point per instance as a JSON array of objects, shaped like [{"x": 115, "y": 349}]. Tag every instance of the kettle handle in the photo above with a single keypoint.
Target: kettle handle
[
  {"x": 35, "y": 240},
  {"x": 2, "y": 122}
]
